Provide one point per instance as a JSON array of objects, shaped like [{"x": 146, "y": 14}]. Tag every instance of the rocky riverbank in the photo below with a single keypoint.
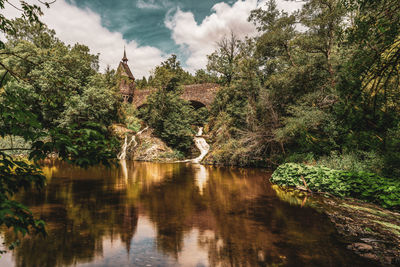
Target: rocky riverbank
[
  {"x": 367, "y": 229},
  {"x": 145, "y": 145}
]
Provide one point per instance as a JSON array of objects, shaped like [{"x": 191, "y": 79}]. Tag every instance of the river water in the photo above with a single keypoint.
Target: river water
[{"x": 151, "y": 214}]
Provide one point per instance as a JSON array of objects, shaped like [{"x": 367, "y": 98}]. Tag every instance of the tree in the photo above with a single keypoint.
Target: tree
[
  {"x": 300, "y": 70},
  {"x": 61, "y": 89},
  {"x": 223, "y": 60},
  {"x": 170, "y": 71},
  {"x": 169, "y": 115},
  {"x": 16, "y": 174},
  {"x": 369, "y": 80},
  {"x": 48, "y": 102},
  {"x": 201, "y": 76},
  {"x": 141, "y": 83}
]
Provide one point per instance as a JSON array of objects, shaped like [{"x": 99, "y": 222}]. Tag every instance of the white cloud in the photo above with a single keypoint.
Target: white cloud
[
  {"x": 74, "y": 25},
  {"x": 199, "y": 40},
  {"x": 289, "y": 6},
  {"x": 148, "y": 4},
  {"x": 153, "y": 4}
]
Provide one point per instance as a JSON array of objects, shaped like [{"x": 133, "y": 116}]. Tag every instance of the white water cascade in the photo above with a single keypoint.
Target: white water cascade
[
  {"x": 202, "y": 145},
  {"x": 122, "y": 154}
]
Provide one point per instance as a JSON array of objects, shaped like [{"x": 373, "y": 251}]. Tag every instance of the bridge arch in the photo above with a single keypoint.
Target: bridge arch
[
  {"x": 198, "y": 94},
  {"x": 197, "y": 104}
]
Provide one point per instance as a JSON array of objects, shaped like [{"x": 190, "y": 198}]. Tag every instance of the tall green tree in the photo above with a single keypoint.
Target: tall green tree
[
  {"x": 48, "y": 96},
  {"x": 369, "y": 80},
  {"x": 169, "y": 115},
  {"x": 170, "y": 74},
  {"x": 223, "y": 61}
]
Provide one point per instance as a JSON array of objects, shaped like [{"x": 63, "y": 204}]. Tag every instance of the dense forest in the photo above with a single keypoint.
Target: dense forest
[{"x": 317, "y": 86}]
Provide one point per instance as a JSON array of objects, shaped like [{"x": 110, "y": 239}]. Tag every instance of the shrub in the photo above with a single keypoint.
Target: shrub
[
  {"x": 170, "y": 117},
  {"x": 362, "y": 185},
  {"x": 353, "y": 161}
]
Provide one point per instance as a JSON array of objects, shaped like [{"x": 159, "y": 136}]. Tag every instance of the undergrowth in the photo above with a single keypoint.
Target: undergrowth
[{"x": 362, "y": 185}]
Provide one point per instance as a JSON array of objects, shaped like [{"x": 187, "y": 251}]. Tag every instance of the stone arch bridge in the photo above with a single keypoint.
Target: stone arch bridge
[{"x": 200, "y": 95}]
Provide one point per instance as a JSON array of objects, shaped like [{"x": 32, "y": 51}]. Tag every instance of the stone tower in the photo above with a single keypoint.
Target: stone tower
[{"x": 126, "y": 80}]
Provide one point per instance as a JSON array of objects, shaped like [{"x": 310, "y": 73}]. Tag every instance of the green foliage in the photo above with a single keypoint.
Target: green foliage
[
  {"x": 83, "y": 145},
  {"x": 170, "y": 117},
  {"x": 52, "y": 100},
  {"x": 130, "y": 117},
  {"x": 200, "y": 116},
  {"x": 169, "y": 75},
  {"x": 201, "y": 76},
  {"x": 369, "y": 80},
  {"x": 62, "y": 101},
  {"x": 97, "y": 103},
  {"x": 29, "y": 12},
  {"x": 14, "y": 175},
  {"x": 298, "y": 93},
  {"x": 19, "y": 145},
  {"x": 362, "y": 185},
  {"x": 223, "y": 61},
  {"x": 175, "y": 154},
  {"x": 354, "y": 161},
  {"x": 232, "y": 101},
  {"x": 141, "y": 83}
]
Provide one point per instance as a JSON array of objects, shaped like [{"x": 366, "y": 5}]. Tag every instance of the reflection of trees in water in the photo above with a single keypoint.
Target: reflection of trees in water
[
  {"x": 181, "y": 203},
  {"x": 239, "y": 240},
  {"x": 254, "y": 228},
  {"x": 169, "y": 205},
  {"x": 79, "y": 213},
  {"x": 241, "y": 222},
  {"x": 239, "y": 219}
]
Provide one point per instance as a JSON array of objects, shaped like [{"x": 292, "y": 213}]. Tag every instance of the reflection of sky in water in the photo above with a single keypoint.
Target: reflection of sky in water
[
  {"x": 5, "y": 259},
  {"x": 124, "y": 169},
  {"x": 149, "y": 214},
  {"x": 201, "y": 176},
  {"x": 143, "y": 253}
]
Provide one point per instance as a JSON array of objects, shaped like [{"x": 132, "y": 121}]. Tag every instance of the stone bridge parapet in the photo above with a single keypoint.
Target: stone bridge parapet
[{"x": 203, "y": 93}]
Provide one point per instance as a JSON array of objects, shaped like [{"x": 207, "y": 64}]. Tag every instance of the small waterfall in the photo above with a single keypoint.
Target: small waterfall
[
  {"x": 202, "y": 145},
  {"x": 122, "y": 154},
  {"x": 126, "y": 145}
]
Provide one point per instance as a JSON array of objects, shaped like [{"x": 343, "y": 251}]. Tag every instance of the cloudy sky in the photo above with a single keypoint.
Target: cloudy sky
[{"x": 151, "y": 30}]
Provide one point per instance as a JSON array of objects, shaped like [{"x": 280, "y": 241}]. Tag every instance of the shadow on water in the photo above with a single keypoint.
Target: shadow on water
[{"x": 150, "y": 214}]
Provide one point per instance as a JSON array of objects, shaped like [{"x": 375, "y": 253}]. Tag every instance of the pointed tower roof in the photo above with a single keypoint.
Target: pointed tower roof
[
  {"x": 125, "y": 59},
  {"x": 123, "y": 66}
]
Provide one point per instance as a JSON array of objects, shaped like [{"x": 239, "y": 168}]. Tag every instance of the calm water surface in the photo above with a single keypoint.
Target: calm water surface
[{"x": 150, "y": 214}]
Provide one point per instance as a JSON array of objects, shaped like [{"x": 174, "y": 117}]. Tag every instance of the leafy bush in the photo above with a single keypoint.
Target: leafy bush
[
  {"x": 170, "y": 117},
  {"x": 8, "y": 142},
  {"x": 299, "y": 157},
  {"x": 354, "y": 161},
  {"x": 14, "y": 176},
  {"x": 362, "y": 185},
  {"x": 130, "y": 117},
  {"x": 200, "y": 116}
]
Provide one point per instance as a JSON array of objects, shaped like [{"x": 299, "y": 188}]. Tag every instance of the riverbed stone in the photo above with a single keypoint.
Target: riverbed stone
[
  {"x": 362, "y": 247},
  {"x": 370, "y": 256}
]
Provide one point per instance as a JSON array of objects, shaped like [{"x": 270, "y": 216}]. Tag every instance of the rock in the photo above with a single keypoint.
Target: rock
[
  {"x": 362, "y": 247},
  {"x": 388, "y": 260},
  {"x": 370, "y": 256}
]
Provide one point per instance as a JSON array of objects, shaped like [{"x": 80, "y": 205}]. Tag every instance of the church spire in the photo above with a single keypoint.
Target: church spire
[{"x": 124, "y": 59}]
